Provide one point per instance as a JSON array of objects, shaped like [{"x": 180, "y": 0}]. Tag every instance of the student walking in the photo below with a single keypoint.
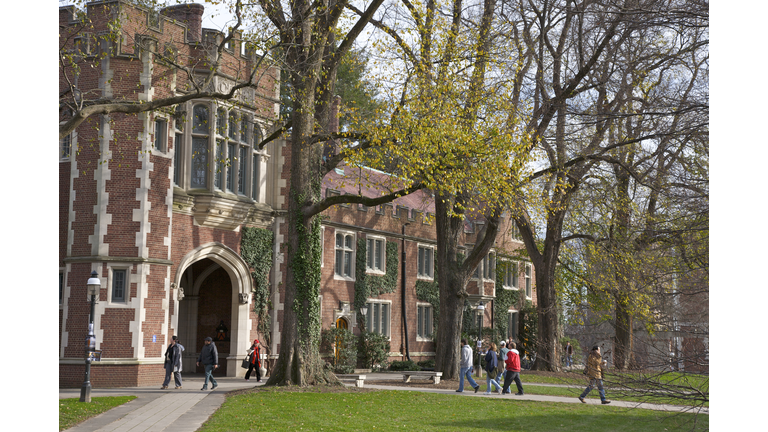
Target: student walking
[
  {"x": 209, "y": 357},
  {"x": 491, "y": 362},
  {"x": 594, "y": 371},
  {"x": 513, "y": 371},
  {"x": 466, "y": 367},
  {"x": 502, "y": 368},
  {"x": 255, "y": 363},
  {"x": 173, "y": 363}
]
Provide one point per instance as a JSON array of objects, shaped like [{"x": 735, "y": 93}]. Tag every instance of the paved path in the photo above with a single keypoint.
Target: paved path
[
  {"x": 185, "y": 410},
  {"x": 158, "y": 410}
]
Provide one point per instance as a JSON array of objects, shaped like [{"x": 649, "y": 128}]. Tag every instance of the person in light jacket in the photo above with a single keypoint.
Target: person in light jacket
[
  {"x": 209, "y": 357},
  {"x": 594, "y": 371},
  {"x": 466, "y": 367},
  {"x": 491, "y": 362},
  {"x": 173, "y": 363}
]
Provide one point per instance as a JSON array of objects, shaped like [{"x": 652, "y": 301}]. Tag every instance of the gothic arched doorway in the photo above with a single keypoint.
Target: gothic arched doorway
[{"x": 212, "y": 281}]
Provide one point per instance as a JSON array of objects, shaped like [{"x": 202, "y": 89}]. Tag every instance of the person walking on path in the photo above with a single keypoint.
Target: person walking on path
[
  {"x": 594, "y": 371},
  {"x": 209, "y": 357},
  {"x": 173, "y": 363},
  {"x": 466, "y": 367},
  {"x": 491, "y": 362},
  {"x": 569, "y": 355},
  {"x": 501, "y": 369},
  {"x": 513, "y": 371},
  {"x": 255, "y": 363}
]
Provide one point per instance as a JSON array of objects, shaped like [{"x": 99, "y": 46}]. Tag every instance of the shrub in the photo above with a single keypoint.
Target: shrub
[
  {"x": 404, "y": 365},
  {"x": 346, "y": 349},
  {"x": 428, "y": 364},
  {"x": 374, "y": 350}
]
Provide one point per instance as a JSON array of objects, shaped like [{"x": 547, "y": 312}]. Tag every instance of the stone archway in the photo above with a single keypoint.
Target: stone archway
[{"x": 214, "y": 265}]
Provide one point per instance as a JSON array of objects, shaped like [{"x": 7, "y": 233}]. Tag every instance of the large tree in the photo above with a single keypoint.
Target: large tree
[
  {"x": 455, "y": 134},
  {"x": 579, "y": 47}
]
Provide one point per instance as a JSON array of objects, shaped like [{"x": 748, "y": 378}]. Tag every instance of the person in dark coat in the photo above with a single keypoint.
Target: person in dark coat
[
  {"x": 209, "y": 357},
  {"x": 173, "y": 363},
  {"x": 491, "y": 362},
  {"x": 255, "y": 363}
]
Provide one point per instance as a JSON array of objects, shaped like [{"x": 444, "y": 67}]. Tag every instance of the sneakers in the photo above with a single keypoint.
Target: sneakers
[
  {"x": 519, "y": 394},
  {"x": 459, "y": 391},
  {"x": 582, "y": 399},
  {"x": 214, "y": 387},
  {"x": 247, "y": 379},
  {"x": 204, "y": 389},
  {"x": 605, "y": 402},
  {"x": 178, "y": 387},
  {"x": 498, "y": 391},
  {"x": 477, "y": 388},
  {"x": 163, "y": 387},
  {"x": 487, "y": 393}
]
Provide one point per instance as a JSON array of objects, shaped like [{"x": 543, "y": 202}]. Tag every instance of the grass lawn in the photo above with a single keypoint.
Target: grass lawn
[
  {"x": 72, "y": 411},
  {"x": 355, "y": 410}
]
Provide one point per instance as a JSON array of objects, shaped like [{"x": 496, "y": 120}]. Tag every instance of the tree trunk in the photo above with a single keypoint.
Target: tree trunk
[
  {"x": 300, "y": 362},
  {"x": 451, "y": 287},
  {"x": 623, "y": 350},
  {"x": 623, "y": 356}
]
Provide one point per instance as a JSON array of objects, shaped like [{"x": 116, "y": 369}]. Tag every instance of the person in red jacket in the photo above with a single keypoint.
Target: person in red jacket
[
  {"x": 255, "y": 363},
  {"x": 513, "y": 370}
]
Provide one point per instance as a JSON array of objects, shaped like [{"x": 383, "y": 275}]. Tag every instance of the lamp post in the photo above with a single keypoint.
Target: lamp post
[
  {"x": 481, "y": 311},
  {"x": 402, "y": 301},
  {"x": 94, "y": 283},
  {"x": 363, "y": 312}
]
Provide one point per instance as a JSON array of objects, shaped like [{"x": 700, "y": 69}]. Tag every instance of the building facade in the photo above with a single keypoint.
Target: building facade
[{"x": 156, "y": 204}]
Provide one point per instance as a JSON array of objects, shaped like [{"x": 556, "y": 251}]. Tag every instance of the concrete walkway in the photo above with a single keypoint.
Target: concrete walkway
[{"x": 186, "y": 409}]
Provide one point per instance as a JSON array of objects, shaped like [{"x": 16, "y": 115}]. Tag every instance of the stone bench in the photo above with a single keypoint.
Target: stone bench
[
  {"x": 434, "y": 376},
  {"x": 359, "y": 379}
]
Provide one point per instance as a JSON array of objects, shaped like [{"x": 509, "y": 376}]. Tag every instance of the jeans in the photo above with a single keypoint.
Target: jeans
[
  {"x": 466, "y": 372},
  {"x": 168, "y": 372},
  {"x": 568, "y": 360},
  {"x": 208, "y": 375},
  {"x": 252, "y": 367},
  {"x": 591, "y": 385},
  {"x": 490, "y": 381},
  {"x": 510, "y": 376}
]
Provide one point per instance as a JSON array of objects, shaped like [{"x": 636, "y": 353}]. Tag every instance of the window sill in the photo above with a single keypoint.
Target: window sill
[
  {"x": 425, "y": 278},
  {"x": 510, "y": 288},
  {"x": 343, "y": 278},
  {"x": 375, "y": 272}
]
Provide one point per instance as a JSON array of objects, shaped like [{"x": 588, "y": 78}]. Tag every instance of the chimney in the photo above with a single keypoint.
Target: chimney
[{"x": 190, "y": 14}]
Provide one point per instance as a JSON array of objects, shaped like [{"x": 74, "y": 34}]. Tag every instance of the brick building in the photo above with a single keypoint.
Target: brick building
[{"x": 155, "y": 203}]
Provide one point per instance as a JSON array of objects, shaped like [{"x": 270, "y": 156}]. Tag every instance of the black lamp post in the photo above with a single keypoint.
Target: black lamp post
[
  {"x": 94, "y": 283},
  {"x": 402, "y": 291}
]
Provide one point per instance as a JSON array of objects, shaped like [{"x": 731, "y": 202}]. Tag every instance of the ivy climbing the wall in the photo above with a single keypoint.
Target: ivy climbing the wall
[
  {"x": 256, "y": 245},
  {"x": 371, "y": 285},
  {"x": 504, "y": 300},
  {"x": 428, "y": 291}
]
